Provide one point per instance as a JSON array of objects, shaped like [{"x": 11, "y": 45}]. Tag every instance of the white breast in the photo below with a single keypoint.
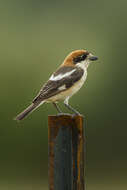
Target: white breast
[
  {"x": 78, "y": 84},
  {"x": 71, "y": 91},
  {"x": 75, "y": 88}
]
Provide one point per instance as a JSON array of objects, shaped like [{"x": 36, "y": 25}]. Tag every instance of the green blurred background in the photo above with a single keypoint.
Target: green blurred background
[{"x": 35, "y": 37}]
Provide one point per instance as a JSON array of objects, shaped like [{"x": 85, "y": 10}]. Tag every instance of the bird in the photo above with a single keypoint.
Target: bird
[{"x": 63, "y": 83}]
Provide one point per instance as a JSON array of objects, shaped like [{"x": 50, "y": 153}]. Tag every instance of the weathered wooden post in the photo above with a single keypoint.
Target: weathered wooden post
[{"x": 66, "y": 152}]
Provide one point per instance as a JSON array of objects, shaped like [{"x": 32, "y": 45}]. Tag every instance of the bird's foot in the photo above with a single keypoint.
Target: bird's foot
[
  {"x": 78, "y": 114},
  {"x": 61, "y": 113}
]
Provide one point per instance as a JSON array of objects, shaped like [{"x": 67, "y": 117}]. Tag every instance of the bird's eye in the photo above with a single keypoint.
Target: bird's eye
[
  {"x": 80, "y": 58},
  {"x": 83, "y": 57}
]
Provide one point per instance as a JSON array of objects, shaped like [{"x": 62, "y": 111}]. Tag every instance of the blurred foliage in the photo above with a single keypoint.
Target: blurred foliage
[{"x": 35, "y": 37}]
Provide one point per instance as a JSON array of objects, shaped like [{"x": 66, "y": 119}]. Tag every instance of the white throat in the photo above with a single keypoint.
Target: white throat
[{"x": 83, "y": 64}]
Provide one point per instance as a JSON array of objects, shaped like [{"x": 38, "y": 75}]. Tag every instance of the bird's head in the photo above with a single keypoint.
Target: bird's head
[{"x": 79, "y": 57}]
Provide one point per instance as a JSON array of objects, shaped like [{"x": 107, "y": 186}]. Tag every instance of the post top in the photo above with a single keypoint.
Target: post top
[{"x": 66, "y": 115}]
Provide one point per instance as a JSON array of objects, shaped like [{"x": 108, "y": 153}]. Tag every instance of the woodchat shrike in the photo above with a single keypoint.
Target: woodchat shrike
[{"x": 63, "y": 83}]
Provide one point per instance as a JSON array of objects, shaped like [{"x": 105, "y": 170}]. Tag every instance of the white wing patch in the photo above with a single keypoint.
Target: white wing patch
[
  {"x": 62, "y": 87},
  {"x": 61, "y": 76}
]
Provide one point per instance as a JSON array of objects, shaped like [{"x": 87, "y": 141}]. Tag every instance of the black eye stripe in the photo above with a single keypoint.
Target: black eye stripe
[
  {"x": 84, "y": 57},
  {"x": 80, "y": 58}
]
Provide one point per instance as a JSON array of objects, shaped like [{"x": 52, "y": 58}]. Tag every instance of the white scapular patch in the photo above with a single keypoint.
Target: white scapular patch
[
  {"x": 61, "y": 76},
  {"x": 62, "y": 87}
]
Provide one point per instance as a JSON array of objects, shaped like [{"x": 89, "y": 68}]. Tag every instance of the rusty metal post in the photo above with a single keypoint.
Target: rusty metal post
[{"x": 66, "y": 152}]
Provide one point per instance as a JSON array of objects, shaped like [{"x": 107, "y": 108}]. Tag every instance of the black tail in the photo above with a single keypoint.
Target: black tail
[{"x": 27, "y": 111}]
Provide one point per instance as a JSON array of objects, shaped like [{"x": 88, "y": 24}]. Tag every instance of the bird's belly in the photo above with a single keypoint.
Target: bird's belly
[{"x": 70, "y": 92}]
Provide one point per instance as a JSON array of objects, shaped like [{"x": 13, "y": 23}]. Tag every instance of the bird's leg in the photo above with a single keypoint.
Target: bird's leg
[
  {"x": 56, "y": 106},
  {"x": 70, "y": 108}
]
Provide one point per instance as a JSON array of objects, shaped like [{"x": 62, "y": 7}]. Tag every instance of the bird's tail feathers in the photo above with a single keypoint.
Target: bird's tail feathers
[{"x": 28, "y": 110}]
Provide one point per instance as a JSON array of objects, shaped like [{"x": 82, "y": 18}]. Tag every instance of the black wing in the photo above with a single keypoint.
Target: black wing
[{"x": 52, "y": 87}]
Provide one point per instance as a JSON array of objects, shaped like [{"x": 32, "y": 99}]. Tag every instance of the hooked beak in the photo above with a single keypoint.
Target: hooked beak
[{"x": 93, "y": 58}]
